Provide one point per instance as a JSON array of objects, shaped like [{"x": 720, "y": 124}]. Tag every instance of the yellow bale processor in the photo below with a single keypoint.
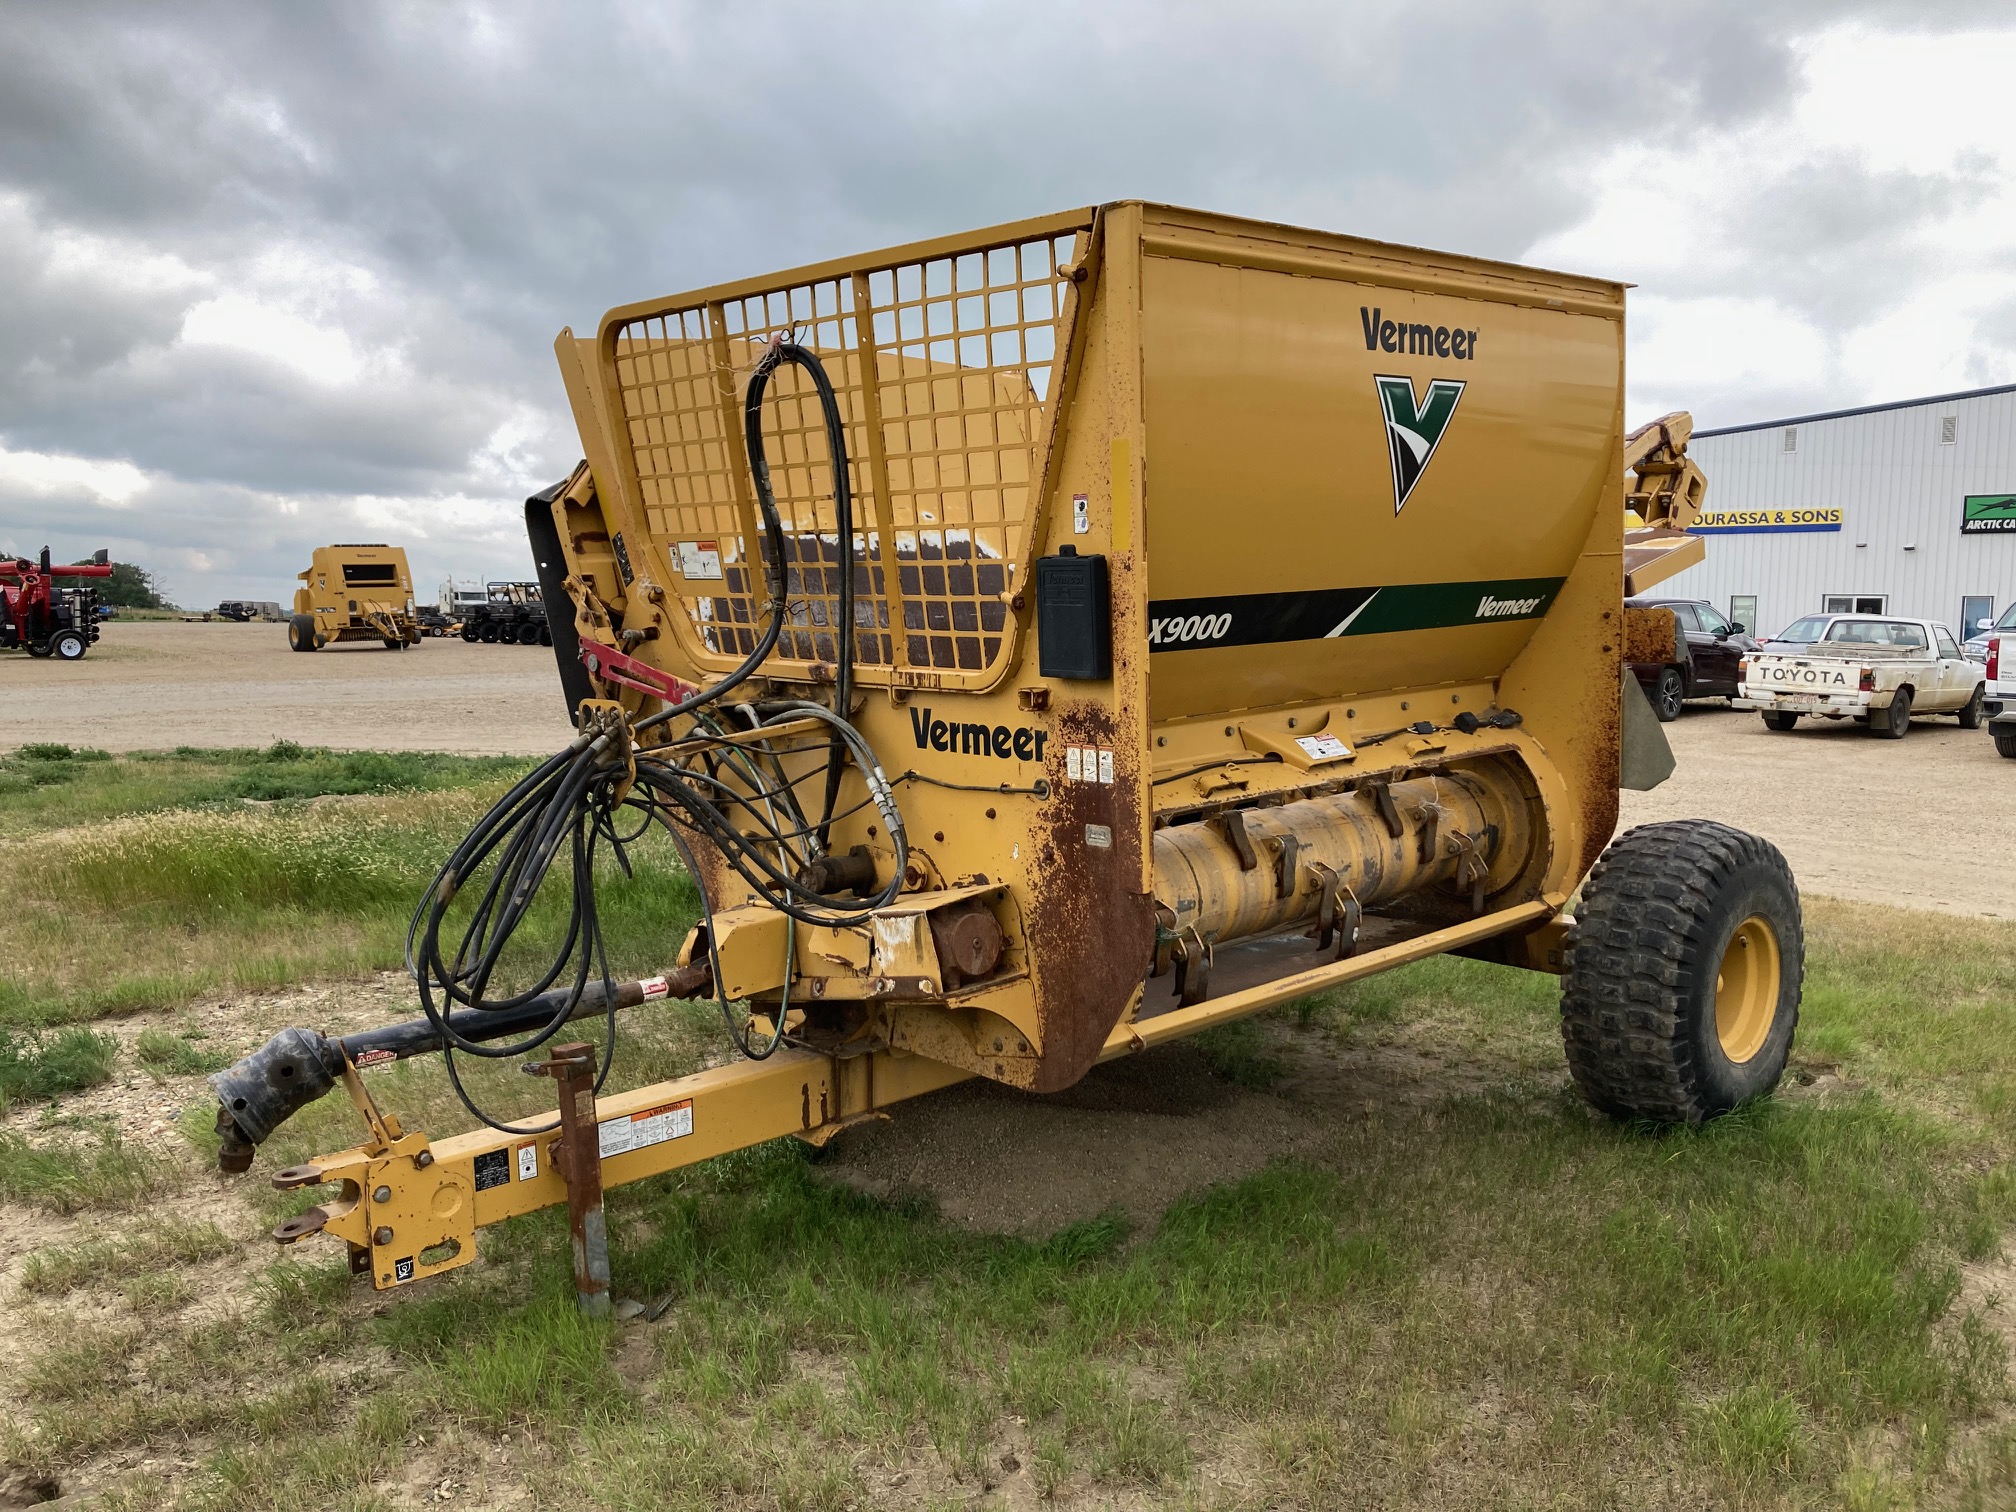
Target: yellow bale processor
[
  {"x": 355, "y": 593},
  {"x": 1047, "y": 642}
]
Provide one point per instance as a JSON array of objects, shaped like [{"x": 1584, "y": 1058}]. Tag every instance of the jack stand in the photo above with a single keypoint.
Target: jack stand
[{"x": 580, "y": 1160}]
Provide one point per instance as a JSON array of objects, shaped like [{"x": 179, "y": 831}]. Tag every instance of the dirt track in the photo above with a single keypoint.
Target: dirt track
[
  {"x": 1906, "y": 822},
  {"x": 152, "y": 685}
]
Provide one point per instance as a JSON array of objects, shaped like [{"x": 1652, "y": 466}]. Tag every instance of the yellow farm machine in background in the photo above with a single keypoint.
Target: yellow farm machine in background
[
  {"x": 1051, "y": 641},
  {"x": 355, "y": 593}
]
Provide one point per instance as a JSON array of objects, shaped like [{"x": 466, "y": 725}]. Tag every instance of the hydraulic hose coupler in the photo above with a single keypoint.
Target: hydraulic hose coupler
[
  {"x": 853, "y": 872},
  {"x": 267, "y": 1088}
]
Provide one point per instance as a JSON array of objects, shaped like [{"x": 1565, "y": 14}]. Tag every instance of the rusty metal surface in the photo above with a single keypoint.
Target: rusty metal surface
[
  {"x": 969, "y": 942},
  {"x": 1652, "y": 636},
  {"x": 572, "y": 1068},
  {"x": 1091, "y": 930},
  {"x": 1467, "y": 825}
]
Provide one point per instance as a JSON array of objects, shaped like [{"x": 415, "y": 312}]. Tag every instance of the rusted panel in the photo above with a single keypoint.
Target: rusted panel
[
  {"x": 572, "y": 1068},
  {"x": 1603, "y": 716},
  {"x": 1651, "y": 635},
  {"x": 1091, "y": 931}
]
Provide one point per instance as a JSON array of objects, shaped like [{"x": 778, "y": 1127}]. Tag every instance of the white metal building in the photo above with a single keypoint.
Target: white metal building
[{"x": 1906, "y": 508}]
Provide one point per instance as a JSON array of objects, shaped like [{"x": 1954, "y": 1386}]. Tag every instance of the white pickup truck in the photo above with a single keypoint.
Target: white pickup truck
[{"x": 1875, "y": 669}]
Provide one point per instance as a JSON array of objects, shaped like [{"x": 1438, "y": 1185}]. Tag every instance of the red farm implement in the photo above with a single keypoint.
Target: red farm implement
[{"x": 43, "y": 613}]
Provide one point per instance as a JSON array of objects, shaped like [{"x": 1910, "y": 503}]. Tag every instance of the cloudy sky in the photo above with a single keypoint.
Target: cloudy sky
[{"x": 278, "y": 275}]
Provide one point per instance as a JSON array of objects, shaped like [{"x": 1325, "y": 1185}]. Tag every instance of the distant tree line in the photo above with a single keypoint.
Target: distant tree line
[{"x": 131, "y": 587}]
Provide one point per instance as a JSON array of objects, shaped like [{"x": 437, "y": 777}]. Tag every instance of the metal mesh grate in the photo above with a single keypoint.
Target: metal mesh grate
[{"x": 945, "y": 449}]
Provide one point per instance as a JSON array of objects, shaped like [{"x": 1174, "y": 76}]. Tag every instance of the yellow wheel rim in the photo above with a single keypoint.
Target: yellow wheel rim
[{"x": 1746, "y": 989}]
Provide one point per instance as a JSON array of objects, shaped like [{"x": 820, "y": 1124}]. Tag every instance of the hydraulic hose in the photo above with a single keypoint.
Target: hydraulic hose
[
  {"x": 843, "y": 518},
  {"x": 734, "y": 794}
]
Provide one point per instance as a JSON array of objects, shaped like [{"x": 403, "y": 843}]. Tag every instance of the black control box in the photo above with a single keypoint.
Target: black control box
[{"x": 1074, "y": 616}]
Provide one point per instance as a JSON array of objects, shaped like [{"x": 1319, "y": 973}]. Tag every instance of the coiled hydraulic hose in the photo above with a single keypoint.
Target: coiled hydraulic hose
[{"x": 735, "y": 796}]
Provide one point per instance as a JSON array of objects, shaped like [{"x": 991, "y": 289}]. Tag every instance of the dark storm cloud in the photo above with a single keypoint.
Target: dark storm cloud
[{"x": 442, "y": 187}]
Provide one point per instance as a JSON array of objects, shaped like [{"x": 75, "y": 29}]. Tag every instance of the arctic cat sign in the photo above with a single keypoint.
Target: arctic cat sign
[{"x": 1988, "y": 514}]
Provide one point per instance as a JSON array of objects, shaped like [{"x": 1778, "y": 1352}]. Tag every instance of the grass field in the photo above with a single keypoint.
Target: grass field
[
  {"x": 1476, "y": 1294},
  {"x": 213, "y": 871}
]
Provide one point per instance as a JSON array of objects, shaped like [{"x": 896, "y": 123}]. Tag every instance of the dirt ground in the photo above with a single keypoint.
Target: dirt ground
[
  {"x": 150, "y": 685},
  {"x": 1898, "y": 822},
  {"x": 1905, "y": 822}
]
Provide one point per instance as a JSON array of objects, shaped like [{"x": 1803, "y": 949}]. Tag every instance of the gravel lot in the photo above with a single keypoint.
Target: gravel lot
[
  {"x": 1900, "y": 822},
  {"x": 150, "y": 685},
  {"x": 1881, "y": 821}
]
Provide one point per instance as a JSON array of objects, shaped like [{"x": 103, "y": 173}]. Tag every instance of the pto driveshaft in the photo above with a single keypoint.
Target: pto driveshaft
[{"x": 297, "y": 1066}]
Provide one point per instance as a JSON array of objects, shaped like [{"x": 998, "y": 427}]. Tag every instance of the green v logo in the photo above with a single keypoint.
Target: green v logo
[{"x": 1414, "y": 431}]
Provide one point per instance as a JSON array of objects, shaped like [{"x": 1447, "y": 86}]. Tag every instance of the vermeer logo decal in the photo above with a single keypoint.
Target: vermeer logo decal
[
  {"x": 998, "y": 741},
  {"x": 1413, "y": 431}
]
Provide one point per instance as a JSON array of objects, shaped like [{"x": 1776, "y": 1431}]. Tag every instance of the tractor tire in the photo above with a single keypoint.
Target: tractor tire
[
  {"x": 1669, "y": 694},
  {"x": 393, "y": 643},
  {"x": 68, "y": 645},
  {"x": 1684, "y": 970},
  {"x": 38, "y": 651},
  {"x": 1776, "y": 719},
  {"x": 1970, "y": 712},
  {"x": 1894, "y": 722},
  {"x": 301, "y": 632}
]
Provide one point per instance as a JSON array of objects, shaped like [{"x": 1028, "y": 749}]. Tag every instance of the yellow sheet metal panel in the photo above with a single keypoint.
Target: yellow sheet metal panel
[{"x": 1355, "y": 486}]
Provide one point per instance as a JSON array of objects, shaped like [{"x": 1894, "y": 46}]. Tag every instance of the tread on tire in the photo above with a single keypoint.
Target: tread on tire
[
  {"x": 1894, "y": 722},
  {"x": 1970, "y": 712},
  {"x": 1658, "y": 923}
]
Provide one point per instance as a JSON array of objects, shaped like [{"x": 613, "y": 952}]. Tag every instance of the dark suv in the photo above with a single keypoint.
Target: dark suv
[{"x": 1714, "y": 647}]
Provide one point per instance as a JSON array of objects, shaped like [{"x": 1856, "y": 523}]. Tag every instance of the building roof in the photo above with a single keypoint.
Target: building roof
[{"x": 1866, "y": 409}]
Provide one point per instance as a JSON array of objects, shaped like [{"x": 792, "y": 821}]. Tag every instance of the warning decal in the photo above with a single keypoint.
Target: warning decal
[
  {"x": 493, "y": 1169},
  {"x": 700, "y": 559},
  {"x": 1323, "y": 747},
  {"x": 619, "y": 1136}
]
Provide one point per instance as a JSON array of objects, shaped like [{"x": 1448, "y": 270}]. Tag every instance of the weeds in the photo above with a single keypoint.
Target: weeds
[
  {"x": 1240, "y": 1052},
  {"x": 168, "y": 1054},
  {"x": 190, "y": 901},
  {"x": 145, "y": 1252},
  {"x": 68, "y": 1174},
  {"x": 45, "y": 786},
  {"x": 48, "y": 1065}
]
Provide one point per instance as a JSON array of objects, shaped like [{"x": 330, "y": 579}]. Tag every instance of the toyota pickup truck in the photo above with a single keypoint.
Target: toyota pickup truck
[{"x": 1873, "y": 669}]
